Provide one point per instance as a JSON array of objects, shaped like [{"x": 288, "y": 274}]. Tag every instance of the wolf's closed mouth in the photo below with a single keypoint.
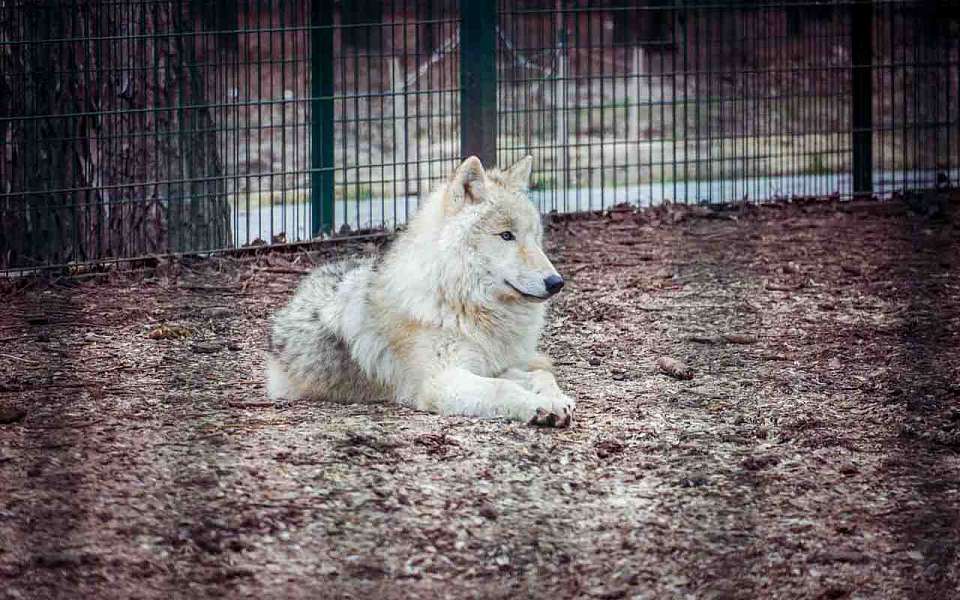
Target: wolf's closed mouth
[{"x": 524, "y": 294}]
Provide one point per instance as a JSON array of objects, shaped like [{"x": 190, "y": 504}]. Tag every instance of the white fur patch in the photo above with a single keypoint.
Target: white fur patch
[{"x": 278, "y": 384}]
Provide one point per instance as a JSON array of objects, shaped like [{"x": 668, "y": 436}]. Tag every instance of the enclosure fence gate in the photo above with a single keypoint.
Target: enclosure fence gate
[{"x": 145, "y": 127}]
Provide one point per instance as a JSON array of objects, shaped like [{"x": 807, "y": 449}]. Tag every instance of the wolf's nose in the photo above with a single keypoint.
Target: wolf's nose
[{"x": 554, "y": 283}]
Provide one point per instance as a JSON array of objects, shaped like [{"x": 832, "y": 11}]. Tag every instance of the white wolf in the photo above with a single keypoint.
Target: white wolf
[{"x": 448, "y": 321}]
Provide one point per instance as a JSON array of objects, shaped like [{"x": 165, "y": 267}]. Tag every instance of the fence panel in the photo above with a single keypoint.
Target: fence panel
[
  {"x": 726, "y": 101},
  {"x": 171, "y": 126}
]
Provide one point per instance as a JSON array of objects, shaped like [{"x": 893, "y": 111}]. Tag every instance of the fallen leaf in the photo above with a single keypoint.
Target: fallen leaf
[
  {"x": 169, "y": 332},
  {"x": 674, "y": 368}
]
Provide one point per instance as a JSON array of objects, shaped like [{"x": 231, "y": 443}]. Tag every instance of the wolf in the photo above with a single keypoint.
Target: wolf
[{"x": 447, "y": 320}]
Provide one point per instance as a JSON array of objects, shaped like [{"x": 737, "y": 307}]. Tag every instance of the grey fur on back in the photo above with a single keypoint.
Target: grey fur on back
[{"x": 308, "y": 355}]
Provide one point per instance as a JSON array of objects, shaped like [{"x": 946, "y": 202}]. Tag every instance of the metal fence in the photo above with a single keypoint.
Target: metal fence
[{"x": 140, "y": 127}]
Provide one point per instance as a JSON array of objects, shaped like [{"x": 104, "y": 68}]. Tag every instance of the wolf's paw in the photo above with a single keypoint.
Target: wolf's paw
[{"x": 558, "y": 415}]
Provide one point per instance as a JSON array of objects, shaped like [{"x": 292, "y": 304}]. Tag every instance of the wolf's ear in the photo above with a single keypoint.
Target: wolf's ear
[
  {"x": 519, "y": 174},
  {"x": 466, "y": 185}
]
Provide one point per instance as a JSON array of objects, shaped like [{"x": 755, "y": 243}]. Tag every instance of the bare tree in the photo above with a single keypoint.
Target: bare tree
[{"x": 108, "y": 146}]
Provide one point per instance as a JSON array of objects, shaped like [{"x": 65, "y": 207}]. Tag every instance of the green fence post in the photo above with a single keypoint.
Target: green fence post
[
  {"x": 478, "y": 80},
  {"x": 321, "y": 117},
  {"x": 861, "y": 42}
]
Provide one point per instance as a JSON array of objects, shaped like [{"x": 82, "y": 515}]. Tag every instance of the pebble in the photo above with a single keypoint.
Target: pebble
[
  {"x": 206, "y": 348},
  {"x": 487, "y": 511}
]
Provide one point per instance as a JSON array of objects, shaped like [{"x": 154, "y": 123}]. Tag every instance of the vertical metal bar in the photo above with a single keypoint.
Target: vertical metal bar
[
  {"x": 947, "y": 120},
  {"x": 298, "y": 168},
  {"x": 260, "y": 130},
  {"x": 363, "y": 194},
  {"x": 381, "y": 121},
  {"x": 564, "y": 78},
  {"x": 916, "y": 66},
  {"x": 949, "y": 123},
  {"x": 674, "y": 24},
  {"x": 903, "y": 93},
  {"x": 321, "y": 117},
  {"x": 284, "y": 168},
  {"x": 418, "y": 28},
  {"x": 369, "y": 125},
  {"x": 861, "y": 42},
  {"x": 394, "y": 104},
  {"x": 697, "y": 79},
  {"x": 713, "y": 16},
  {"x": 884, "y": 52},
  {"x": 602, "y": 72},
  {"x": 478, "y": 79},
  {"x": 658, "y": 39},
  {"x": 570, "y": 22},
  {"x": 685, "y": 132}
]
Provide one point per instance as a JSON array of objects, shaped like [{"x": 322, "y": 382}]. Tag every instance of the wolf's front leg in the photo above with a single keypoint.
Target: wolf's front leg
[
  {"x": 538, "y": 381},
  {"x": 458, "y": 391}
]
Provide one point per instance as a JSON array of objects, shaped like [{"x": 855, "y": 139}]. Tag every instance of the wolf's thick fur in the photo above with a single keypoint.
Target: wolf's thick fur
[{"x": 448, "y": 321}]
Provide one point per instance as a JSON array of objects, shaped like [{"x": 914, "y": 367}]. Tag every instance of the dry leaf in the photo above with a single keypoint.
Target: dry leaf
[
  {"x": 169, "y": 332},
  {"x": 674, "y": 368}
]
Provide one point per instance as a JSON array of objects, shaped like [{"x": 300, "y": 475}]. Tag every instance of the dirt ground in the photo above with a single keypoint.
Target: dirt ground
[{"x": 815, "y": 453}]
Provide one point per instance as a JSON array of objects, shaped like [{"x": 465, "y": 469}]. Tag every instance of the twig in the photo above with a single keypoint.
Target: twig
[
  {"x": 209, "y": 288},
  {"x": 520, "y": 60},
  {"x": 652, "y": 308},
  {"x": 47, "y": 446},
  {"x": 224, "y": 384},
  {"x": 439, "y": 54},
  {"x": 779, "y": 287},
  {"x": 704, "y": 339},
  {"x": 13, "y": 357},
  {"x": 252, "y": 404},
  {"x": 574, "y": 270},
  {"x": 75, "y": 425},
  {"x": 110, "y": 369},
  {"x": 281, "y": 270},
  {"x": 64, "y": 384}
]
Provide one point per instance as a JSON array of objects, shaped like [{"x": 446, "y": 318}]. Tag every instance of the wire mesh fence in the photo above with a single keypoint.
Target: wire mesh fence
[
  {"x": 715, "y": 102},
  {"x": 142, "y": 127}
]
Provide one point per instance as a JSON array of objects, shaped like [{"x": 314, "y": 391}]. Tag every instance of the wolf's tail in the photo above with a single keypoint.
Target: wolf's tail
[{"x": 278, "y": 384}]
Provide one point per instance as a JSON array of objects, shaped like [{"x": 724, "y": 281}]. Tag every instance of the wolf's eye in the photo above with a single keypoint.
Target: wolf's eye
[{"x": 507, "y": 236}]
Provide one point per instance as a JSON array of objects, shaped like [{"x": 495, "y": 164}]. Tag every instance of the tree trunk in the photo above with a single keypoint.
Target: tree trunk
[{"x": 107, "y": 148}]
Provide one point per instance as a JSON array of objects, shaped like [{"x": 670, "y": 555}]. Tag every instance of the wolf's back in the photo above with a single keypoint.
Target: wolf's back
[{"x": 308, "y": 357}]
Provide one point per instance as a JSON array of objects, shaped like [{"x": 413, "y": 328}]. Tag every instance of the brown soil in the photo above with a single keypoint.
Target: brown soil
[{"x": 814, "y": 453}]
